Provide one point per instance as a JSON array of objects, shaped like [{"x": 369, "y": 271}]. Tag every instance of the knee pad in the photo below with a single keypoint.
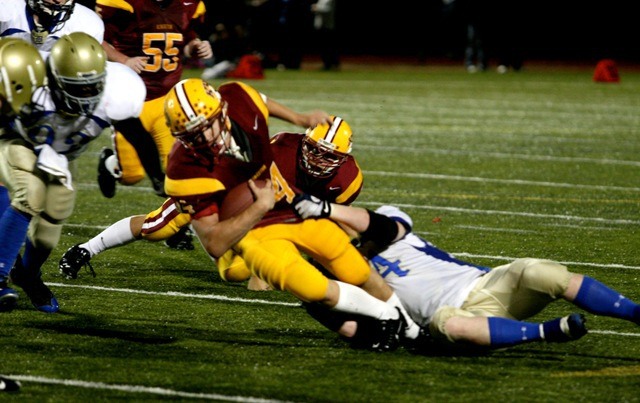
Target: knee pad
[
  {"x": 43, "y": 233},
  {"x": 440, "y": 317},
  {"x": 164, "y": 222},
  {"x": 545, "y": 276}
]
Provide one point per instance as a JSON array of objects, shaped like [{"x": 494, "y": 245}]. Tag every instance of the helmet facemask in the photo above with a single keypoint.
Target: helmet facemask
[
  {"x": 76, "y": 68},
  {"x": 194, "y": 137},
  {"x": 51, "y": 16},
  {"x": 325, "y": 148},
  {"x": 77, "y": 95}
]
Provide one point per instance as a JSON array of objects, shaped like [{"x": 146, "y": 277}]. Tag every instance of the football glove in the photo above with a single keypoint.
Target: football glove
[{"x": 308, "y": 206}]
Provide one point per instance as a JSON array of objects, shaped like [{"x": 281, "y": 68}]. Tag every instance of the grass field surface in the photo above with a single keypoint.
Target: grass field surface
[{"x": 491, "y": 167}]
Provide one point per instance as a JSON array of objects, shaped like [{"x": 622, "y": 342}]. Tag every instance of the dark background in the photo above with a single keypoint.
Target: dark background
[
  {"x": 542, "y": 29},
  {"x": 571, "y": 30}
]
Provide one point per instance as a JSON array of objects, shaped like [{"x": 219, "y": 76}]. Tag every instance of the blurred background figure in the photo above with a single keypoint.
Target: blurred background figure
[
  {"x": 292, "y": 29},
  {"x": 508, "y": 37},
  {"x": 324, "y": 24},
  {"x": 473, "y": 13},
  {"x": 227, "y": 28}
]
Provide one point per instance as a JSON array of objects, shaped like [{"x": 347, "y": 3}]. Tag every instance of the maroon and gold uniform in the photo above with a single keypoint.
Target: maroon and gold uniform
[
  {"x": 342, "y": 187},
  {"x": 315, "y": 236},
  {"x": 159, "y": 31},
  {"x": 197, "y": 181}
]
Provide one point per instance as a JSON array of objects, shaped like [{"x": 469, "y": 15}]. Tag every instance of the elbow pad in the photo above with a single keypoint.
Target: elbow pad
[{"x": 382, "y": 230}]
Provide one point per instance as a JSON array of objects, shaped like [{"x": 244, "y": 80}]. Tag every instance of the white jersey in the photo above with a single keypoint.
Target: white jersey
[
  {"x": 15, "y": 20},
  {"x": 123, "y": 98},
  {"x": 424, "y": 277}
]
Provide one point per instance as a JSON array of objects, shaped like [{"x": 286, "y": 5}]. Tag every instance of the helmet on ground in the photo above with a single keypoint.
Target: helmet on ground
[
  {"x": 191, "y": 107},
  {"x": 52, "y": 15},
  {"x": 325, "y": 147},
  {"x": 22, "y": 70},
  {"x": 77, "y": 70}
]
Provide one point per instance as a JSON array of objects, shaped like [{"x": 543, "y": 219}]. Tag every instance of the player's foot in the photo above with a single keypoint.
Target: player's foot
[
  {"x": 106, "y": 180},
  {"x": 8, "y": 297},
  {"x": 389, "y": 331},
  {"x": 567, "y": 328},
  {"x": 73, "y": 260},
  {"x": 8, "y": 385},
  {"x": 40, "y": 295},
  {"x": 181, "y": 240}
]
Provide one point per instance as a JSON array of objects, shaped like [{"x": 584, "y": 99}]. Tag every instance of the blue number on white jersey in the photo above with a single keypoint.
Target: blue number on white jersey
[{"x": 384, "y": 267}]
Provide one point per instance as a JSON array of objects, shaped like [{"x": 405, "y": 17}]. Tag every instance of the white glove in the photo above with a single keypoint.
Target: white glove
[
  {"x": 55, "y": 164},
  {"x": 308, "y": 206}
]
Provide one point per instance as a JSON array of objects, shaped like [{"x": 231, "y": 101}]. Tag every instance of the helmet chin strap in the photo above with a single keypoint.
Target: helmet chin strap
[{"x": 233, "y": 149}]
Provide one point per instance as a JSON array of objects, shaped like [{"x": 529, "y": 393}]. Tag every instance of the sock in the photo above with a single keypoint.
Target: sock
[
  {"x": 115, "y": 235},
  {"x": 33, "y": 258},
  {"x": 355, "y": 300},
  {"x": 599, "y": 299},
  {"x": 13, "y": 230},
  {"x": 5, "y": 202},
  {"x": 505, "y": 332},
  {"x": 412, "y": 330}
]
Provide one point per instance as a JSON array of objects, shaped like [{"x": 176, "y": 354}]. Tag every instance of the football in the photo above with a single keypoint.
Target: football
[{"x": 238, "y": 199}]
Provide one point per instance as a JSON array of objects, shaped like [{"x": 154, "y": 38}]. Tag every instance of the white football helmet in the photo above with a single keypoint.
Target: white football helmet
[{"x": 52, "y": 14}]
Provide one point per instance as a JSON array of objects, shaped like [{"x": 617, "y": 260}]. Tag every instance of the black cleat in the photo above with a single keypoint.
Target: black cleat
[
  {"x": 181, "y": 240},
  {"x": 567, "y": 328},
  {"x": 388, "y": 334},
  {"x": 73, "y": 260},
  {"x": 8, "y": 297},
  {"x": 40, "y": 295},
  {"x": 106, "y": 180},
  {"x": 8, "y": 385}
]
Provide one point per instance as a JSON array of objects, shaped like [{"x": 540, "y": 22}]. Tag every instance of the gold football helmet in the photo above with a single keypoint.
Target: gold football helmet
[
  {"x": 325, "y": 147},
  {"x": 77, "y": 70},
  {"x": 191, "y": 107},
  {"x": 22, "y": 70}
]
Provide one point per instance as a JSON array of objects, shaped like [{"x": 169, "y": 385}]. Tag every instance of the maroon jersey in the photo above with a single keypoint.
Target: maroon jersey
[
  {"x": 342, "y": 187},
  {"x": 144, "y": 28},
  {"x": 196, "y": 182}
]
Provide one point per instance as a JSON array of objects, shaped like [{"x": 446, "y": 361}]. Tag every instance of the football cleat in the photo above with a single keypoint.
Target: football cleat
[
  {"x": 567, "y": 328},
  {"x": 388, "y": 334},
  {"x": 72, "y": 261},
  {"x": 181, "y": 240},
  {"x": 40, "y": 295},
  {"x": 106, "y": 180},
  {"x": 8, "y": 297},
  {"x": 8, "y": 385}
]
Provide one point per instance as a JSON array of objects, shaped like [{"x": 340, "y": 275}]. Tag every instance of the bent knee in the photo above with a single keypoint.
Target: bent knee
[{"x": 545, "y": 276}]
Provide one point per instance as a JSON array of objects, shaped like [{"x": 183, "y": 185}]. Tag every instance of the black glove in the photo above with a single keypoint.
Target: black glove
[{"x": 308, "y": 206}]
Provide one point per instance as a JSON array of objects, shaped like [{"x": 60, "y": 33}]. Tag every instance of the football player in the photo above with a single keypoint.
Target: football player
[
  {"x": 151, "y": 37},
  {"x": 224, "y": 141},
  {"x": 22, "y": 71},
  {"x": 166, "y": 221},
  {"x": 460, "y": 303},
  {"x": 43, "y": 22},
  {"x": 212, "y": 156},
  {"x": 80, "y": 102}
]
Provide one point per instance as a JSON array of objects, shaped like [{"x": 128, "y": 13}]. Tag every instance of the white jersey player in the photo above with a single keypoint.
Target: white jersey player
[
  {"x": 461, "y": 304},
  {"x": 43, "y": 22},
  {"x": 81, "y": 100},
  {"x": 122, "y": 98}
]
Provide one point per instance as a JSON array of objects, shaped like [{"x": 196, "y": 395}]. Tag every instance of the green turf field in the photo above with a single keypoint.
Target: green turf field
[{"x": 542, "y": 163}]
